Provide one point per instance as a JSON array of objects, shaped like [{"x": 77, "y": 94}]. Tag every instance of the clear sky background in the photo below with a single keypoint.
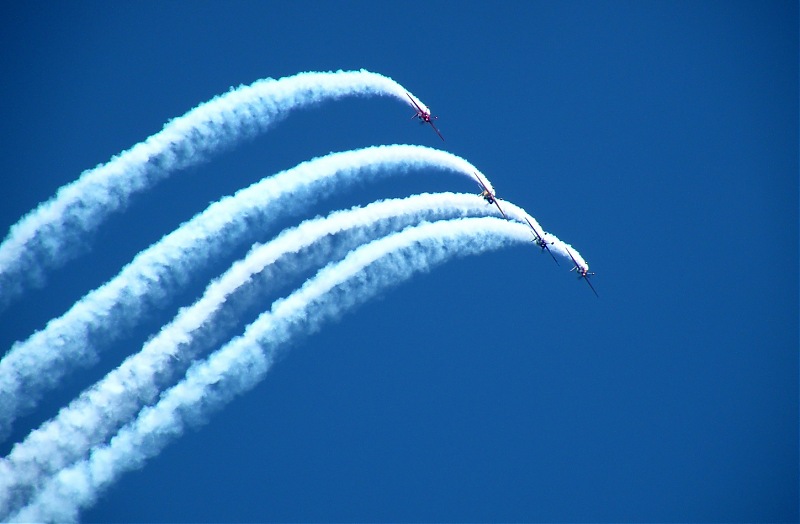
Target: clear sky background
[{"x": 659, "y": 138}]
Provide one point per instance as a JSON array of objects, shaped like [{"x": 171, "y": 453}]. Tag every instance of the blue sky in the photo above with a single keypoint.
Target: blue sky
[{"x": 659, "y": 138}]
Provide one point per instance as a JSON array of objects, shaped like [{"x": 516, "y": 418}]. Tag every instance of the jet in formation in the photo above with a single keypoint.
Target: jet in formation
[
  {"x": 424, "y": 116},
  {"x": 582, "y": 271},
  {"x": 489, "y": 196},
  {"x": 540, "y": 241}
]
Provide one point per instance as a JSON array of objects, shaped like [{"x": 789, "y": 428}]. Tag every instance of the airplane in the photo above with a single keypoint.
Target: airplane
[
  {"x": 540, "y": 241},
  {"x": 489, "y": 197},
  {"x": 424, "y": 116},
  {"x": 583, "y": 272}
]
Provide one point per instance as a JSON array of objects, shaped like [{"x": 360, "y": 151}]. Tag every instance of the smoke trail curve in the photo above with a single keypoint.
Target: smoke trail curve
[
  {"x": 244, "y": 361},
  {"x": 99, "y": 411},
  {"x": 37, "y": 364},
  {"x": 45, "y": 237}
]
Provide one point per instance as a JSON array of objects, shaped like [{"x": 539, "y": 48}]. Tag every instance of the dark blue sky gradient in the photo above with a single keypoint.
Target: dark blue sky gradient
[{"x": 659, "y": 138}]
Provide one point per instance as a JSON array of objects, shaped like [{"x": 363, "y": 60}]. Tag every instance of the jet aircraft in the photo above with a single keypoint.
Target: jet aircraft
[
  {"x": 489, "y": 196},
  {"x": 424, "y": 116},
  {"x": 583, "y": 272},
  {"x": 540, "y": 241}
]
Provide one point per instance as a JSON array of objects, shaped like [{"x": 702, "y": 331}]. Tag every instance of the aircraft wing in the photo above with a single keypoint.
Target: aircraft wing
[
  {"x": 536, "y": 233},
  {"x": 437, "y": 131},
  {"x": 500, "y": 208},
  {"x": 551, "y": 254},
  {"x": 531, "y": 225},
  {"x": 577, "y": 266},
  {"x": 586, "y": 278},
  {"x": 414, "y": 103},
  {"x": 483, "y": 186}
]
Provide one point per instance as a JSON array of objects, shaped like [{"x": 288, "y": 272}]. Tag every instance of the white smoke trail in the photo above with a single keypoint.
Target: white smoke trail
[
  {"x": 241, "y": 363},
  {"x": 36, "y": 365},
  {"x": 100, "y": 410},
  {"x": 45, "y": 237}
]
